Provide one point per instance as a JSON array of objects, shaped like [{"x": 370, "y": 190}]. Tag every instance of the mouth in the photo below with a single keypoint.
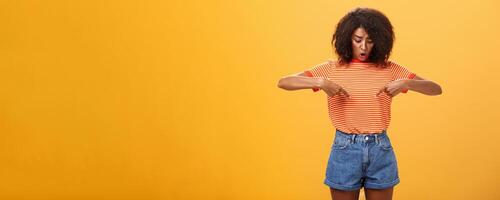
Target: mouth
[{"x": 363, "y": 55}]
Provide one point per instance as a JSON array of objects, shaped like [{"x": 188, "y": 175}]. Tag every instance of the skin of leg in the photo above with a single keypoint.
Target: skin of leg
[
  {"x": 344, "y": 195},
  {"x": 379, "y": 194}
]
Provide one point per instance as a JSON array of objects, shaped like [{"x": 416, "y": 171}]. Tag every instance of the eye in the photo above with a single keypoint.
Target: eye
[{"x": 358, "y": 41}]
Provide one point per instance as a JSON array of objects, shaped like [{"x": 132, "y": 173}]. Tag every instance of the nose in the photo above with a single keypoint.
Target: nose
[{"x": 363, "y": 46}]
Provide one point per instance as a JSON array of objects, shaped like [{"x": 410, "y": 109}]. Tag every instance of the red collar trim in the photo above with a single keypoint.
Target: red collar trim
[{"x": 355, "y": 60}]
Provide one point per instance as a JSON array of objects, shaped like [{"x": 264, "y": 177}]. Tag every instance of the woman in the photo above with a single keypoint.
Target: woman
[{"x": 360, "y": 86}]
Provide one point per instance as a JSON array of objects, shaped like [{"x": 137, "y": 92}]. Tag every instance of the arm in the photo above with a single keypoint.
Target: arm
[
  {"x": 423, "y": 86},
  {"x": 300, "y": 81}
]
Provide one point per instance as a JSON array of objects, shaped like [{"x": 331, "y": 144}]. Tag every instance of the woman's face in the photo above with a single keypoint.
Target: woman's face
[{"x": 361, "y": 44}]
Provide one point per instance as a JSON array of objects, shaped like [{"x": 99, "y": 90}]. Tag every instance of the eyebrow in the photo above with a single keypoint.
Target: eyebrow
[{"x": 360, "y": 36}]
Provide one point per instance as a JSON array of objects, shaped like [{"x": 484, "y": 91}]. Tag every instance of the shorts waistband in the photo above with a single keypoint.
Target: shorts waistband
[{"x": 365, "y": 137}]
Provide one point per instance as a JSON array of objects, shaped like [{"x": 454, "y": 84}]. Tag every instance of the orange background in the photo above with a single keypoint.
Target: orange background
[{"x": 176, "y": 100}]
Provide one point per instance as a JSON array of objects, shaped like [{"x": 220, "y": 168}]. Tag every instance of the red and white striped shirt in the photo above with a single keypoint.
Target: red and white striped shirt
[{"x": 364, "y": 112}]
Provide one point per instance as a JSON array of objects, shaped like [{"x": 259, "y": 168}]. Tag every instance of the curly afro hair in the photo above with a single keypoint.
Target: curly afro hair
[{"x": 378, "y": 27}]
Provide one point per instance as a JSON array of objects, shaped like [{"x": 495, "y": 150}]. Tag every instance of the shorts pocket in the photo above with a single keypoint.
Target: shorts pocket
[
  {"x": 385, "y": 144},
  {"x": 340, "y": 143}
]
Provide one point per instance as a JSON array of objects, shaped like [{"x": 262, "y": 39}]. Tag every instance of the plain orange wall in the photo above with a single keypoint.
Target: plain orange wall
[{"x": 158, "y": 100}]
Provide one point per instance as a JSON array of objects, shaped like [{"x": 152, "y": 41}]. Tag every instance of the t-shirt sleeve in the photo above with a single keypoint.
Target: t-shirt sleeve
[
  {"x": 401, "y": 72},
  {"x": 319, "y": 70}
]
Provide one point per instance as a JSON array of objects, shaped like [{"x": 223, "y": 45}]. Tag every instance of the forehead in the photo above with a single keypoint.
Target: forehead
[{"x": 360, "y": 32}]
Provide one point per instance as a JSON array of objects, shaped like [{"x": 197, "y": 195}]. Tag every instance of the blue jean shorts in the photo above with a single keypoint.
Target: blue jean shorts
[{"x": 361, "y": 160}]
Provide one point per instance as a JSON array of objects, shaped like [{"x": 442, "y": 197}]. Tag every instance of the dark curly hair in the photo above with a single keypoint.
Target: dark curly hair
[{"x": 378, "y": 27}]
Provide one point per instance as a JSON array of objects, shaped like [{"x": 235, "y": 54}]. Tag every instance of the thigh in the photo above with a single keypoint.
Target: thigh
[
  {"x": 344, "y": 195},
  {"x": 379, "y": 194}
]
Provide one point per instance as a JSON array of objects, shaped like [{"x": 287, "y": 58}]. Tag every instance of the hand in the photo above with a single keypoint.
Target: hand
[
  {"x": 332, "y": 89},
  {"x": 394, "y": 88}
]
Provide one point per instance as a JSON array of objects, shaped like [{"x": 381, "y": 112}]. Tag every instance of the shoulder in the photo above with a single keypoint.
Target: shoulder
[
  {"x": 331, "y": 63},
  {"x": 325, "y": 65},
  {"x": 391, "y": 64}
]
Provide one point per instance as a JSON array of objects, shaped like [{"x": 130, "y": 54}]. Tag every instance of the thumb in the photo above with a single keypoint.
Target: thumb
[
  {"x": 345, "y": 92},
  {"x": 381, "y": 90}
]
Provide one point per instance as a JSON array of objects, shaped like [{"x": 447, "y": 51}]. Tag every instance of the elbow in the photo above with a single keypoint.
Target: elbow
[
  {"x": 437, "y": 90},
  {"x": 281, "y": 84}
]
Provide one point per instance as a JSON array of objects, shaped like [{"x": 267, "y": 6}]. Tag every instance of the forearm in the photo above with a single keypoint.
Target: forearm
[
  {"x": 424, "y": 86},
  {"x": 300, "y": 82}
]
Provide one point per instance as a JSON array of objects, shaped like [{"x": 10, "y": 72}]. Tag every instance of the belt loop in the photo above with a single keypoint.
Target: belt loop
[
  {"x": 353, "y": 138},
  {"x": 376, "y": 138}
]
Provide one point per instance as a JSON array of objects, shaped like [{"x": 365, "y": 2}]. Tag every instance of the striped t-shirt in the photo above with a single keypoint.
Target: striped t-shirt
[{"x": 363, "y": 112}]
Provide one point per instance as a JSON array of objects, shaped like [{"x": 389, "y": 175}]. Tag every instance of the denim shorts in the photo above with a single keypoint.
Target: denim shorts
[{"x": 361, "y": 160}]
